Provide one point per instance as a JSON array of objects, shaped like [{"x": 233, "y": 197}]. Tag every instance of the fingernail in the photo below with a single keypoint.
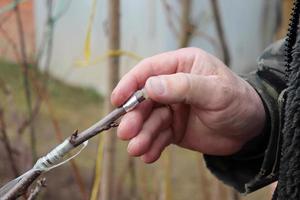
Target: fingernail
[
  {"x": 113, "y": 93},
  {"x": 157, "y": 85},
  {"x": 130, "y": 147}
]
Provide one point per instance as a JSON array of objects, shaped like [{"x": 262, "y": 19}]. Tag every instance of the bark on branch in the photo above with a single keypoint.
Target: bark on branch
[
  {"x": 37, "y": 189},
  {"x": 75, "y": 139}
]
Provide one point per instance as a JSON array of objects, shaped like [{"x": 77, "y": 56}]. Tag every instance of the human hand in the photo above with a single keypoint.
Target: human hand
[{"x": 196, "y": 102}]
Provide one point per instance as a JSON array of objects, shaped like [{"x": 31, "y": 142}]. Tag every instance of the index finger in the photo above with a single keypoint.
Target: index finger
[{"x": 165, "y": 63}]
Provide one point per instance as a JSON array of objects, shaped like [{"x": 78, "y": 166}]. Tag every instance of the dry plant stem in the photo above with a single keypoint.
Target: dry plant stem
[
  {"x": 220, "y": 31},
  {"x": 186, "y": 26},
  {"x": 7, "y": 145},
  {"x": 204, "y": 180},
  {"x": 43, "y": 94},
  {"x": 12, "y": 43},
  {"x": 50, "y": 40},
  {"x": 107, "y": 186},
  {"x": 25, "y": 69},
  {"x": 104, "y": 124},
  {"x": 120, "y": 182},
  {"x": 21, "y": 187},
  {"x": 75, "y": 139},
  {"x": 129, "y": 167},
  {"x": 37, "y": 189},
  {"x": 167, "y": 182},
  {"x": 7, "y": 37},
  {"x": 26, "y": 122},
  {"x": 133, "y": 179},
  {"x": 45, "y": 37}
]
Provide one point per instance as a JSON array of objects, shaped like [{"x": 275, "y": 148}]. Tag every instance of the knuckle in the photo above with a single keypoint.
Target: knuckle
[
  {"x": 147, "y": 62},
  {"x": 186, "y": 87},
  {"x": 224, "y": 94},
  {"x": 181, "y": 87}
]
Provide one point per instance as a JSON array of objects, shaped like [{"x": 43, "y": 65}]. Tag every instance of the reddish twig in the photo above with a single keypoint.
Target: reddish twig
[
  {"x": 10, "y": 41},
  {"x": 26, "y": 122},
  {"x": 25, "y": 69},
  {"x": 7, "y": 144},
  {"x": 3, "y": 131},
  {"x": 36, "y": 108}
]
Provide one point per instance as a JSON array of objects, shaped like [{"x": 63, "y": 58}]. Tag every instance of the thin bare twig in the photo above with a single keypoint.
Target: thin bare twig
[
  {"x": 25, "y": 69},
  {"x": 10, "y": 41},
  {"x": 50, "y": 24},
  {"x": 7, "y": 144},
  {"x": 26, "y": 122},
  {"x": 42, "y": 93},
  {"x": 220, "y": 31},
  {"x": 133, "y": 179},
  {"x": 108, "y": 177},
  {"x": 75, "y": 140},
  {"x": 186, "y": 25},
  {"x": 35, "y": 111},
  {"x": 37, "y": 189}
]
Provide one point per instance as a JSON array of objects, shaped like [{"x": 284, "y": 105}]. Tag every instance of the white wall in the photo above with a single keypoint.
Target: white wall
[{"x": 145, "y": 31}]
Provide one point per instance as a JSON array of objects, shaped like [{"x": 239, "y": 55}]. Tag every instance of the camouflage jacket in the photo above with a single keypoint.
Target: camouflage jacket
[{"x": 256, "y": 165}]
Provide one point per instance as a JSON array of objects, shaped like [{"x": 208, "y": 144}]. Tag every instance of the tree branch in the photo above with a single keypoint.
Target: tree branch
[
  {"x": 186, "y": 25},
  {"x": 108, "y": 177},
  {"x": 25, "y": 69},
  {"x": 35, "y": 191},
  {"x": 220, "y": 31},
  {"x": 42, "y": 93},
  {"x": 109, "y": 121},
  {"x": 6, "y": 143}
]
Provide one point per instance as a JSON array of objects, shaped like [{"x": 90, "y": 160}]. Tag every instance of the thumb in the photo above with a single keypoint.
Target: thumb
[{"x": 181, "y": 88}]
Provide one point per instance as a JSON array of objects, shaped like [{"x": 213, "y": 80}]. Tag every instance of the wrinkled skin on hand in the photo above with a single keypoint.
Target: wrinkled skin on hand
[{"x": 196, "y": 102}]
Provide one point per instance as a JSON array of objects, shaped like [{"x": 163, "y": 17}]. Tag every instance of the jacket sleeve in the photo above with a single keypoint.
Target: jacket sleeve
[{"x": 256, "y": 164}]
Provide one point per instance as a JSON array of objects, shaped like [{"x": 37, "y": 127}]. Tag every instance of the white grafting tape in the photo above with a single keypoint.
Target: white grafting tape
[{"x": 54, "y": 157}]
